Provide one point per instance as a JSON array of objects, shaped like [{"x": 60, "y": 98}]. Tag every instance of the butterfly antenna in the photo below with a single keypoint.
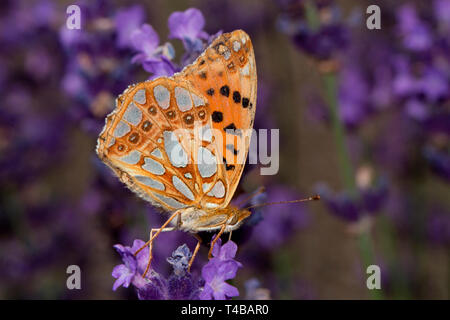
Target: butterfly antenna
[
  {"x": 313, "y": 198},
  {"x": 251, "y": 196}
]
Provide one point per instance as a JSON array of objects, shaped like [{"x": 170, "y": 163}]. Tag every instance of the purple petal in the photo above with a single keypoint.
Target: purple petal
[
  {"x": 159, "y": 68},
  {"x": 145, "y": 39},
  {"x": 123, "y": 276},
  {"x": 228, "y": 250},
  {"x": 126, "y": 21},
  {"x": 207, "y": 293},
  {"x": 209, "y": 271},
  {"x": 187, "y": 25},
  {"x": 229, "y": 290}
]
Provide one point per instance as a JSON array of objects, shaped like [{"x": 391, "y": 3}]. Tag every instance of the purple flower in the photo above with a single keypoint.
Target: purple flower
[
  {"x": 352, "y": 208},
  {"x": 353, "y": 95},
  {"x": 416, "y": 34},
  {"x": 180, "y": 259},
  {"x": 417, "y": 110},
  {"x": 220, "y": 268},
  {"x": 343, "y": 205},
  {"x": 188, "y": 27},
  {"x": 126, "y": 21},
  {"x": 161, "y": 67},
  {"x": 133, "y": 267},
  {"x": 323, "y": 43},
  {"x": 442, "y": 11},
  {"x": 180, "y": 284},
  {"x": 154, "y": 58},
  {"x": 374, "y": 197},
  {"x": 145, "y": 40}
]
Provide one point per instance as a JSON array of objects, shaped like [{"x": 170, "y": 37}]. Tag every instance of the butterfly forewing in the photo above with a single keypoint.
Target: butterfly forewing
[
  {"x": 226, "y": 75},
  {"x": 158, "y": 139}
]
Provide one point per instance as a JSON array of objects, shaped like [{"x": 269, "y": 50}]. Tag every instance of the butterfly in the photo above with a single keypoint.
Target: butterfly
[{"x": 148, "y": 139}]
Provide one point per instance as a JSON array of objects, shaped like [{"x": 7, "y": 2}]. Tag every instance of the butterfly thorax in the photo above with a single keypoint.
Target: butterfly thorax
[{"x": 194, "y": 219}]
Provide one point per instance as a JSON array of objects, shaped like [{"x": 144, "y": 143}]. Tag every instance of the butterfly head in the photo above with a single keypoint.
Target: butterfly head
[{"x": 236, "y": 217}]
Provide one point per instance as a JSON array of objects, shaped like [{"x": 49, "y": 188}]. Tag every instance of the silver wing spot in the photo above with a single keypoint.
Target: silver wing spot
[
  {"x": 139, "y": 96},
  {"x": 182, "y": 187},
  {"x": 150, "y": 182},
  {"x": 207, "y": 164},
  {"x": 183, "y": 98},
  {"x": 162, "y": 96},
  {"x": 122, "y": 129},
  {"x": 132, "y": 158},
  {"x": 153, "y": 166},
  {"x": 133, "y": 114}
]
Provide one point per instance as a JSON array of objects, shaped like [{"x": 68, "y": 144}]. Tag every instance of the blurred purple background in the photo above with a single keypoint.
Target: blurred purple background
[{"x": 364, "y": 119}]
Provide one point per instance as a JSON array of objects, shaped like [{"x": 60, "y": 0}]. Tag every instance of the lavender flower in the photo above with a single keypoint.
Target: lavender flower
[
  {"x": 180, "y": 259},
  {"x": 179, "y": 285},
  {"x": 350, "y": 208},
  {"x": 321, "y": 36},
  {"x": 131, "y": 271},
  {"x": 126, "y": 21},
  {"x": 220, "y": 268},
  {"x": 188, "y": 27},
  {"x": 416, "y": 34},
  {"x": 154, "y": 58}
]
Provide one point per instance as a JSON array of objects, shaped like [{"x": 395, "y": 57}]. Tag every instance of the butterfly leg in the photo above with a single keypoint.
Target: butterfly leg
[
  {"x": 153, "y": 237},
  {"x": 197, "y": 247},
  {"x": 150, "y": 246},
  {"x": 215, "y": 239}
]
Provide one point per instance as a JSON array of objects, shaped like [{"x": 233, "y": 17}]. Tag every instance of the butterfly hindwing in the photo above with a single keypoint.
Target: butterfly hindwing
[{"x": 149, "y": 140}]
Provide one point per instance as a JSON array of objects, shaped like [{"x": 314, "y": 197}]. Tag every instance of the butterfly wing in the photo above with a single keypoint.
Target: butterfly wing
[
  {"x": 226, "y": 75},
  {"x": 149, "y": 140}
]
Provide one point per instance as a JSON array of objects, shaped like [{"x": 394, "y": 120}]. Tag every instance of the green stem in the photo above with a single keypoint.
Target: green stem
[
  {"x": 365, "y": 243},
  {"x": 339, "y": 133}
]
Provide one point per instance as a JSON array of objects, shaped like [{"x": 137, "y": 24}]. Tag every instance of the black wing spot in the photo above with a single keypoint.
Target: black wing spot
[
  {"x": 231, "y": 129},
  {"x": 231, "y": 126},
  {"x": 227, "y": 166},
  {"x": 236, "y": 97},
  {"x": 210, "y": 91},
  {"x": 225, "y": 91},
  {"x": 217, "y": 116},
  {"x": 245, "y": 102}
]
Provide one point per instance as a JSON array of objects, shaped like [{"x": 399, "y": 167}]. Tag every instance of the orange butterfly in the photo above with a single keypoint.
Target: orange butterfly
[
  {"x": 148, "y": 139},
  {"x": 141, "y": 144}
]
